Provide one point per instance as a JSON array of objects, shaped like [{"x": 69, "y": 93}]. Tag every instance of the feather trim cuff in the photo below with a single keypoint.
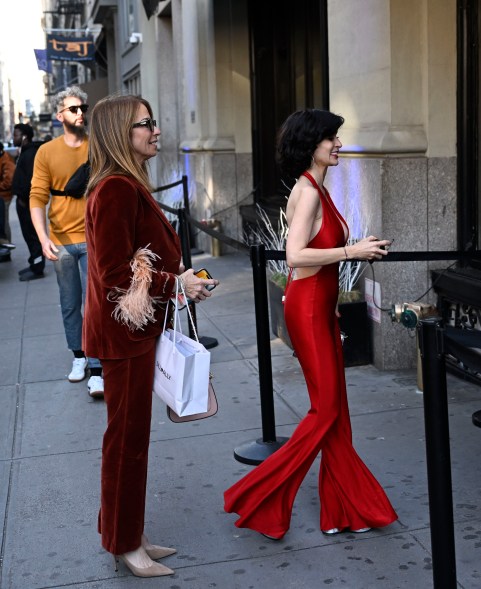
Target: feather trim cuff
[{"x": 134, "y": 306}]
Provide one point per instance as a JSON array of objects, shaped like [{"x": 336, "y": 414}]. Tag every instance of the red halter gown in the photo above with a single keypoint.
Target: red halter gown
[{"x": 349, "y": 494}]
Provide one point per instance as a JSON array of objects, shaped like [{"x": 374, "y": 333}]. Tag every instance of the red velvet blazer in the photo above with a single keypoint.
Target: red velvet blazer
[{"x": 121, "y": 218}]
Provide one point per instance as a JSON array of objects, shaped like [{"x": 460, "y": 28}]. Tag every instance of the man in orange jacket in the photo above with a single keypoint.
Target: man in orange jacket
[{"x": 64, "y": 240}]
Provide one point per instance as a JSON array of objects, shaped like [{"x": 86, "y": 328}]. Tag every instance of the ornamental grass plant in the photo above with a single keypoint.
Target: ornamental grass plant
[{"x": 275, "y": 239}]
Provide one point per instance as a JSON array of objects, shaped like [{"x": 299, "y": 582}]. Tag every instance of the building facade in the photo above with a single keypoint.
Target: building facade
[{"x": 222, "y": 75}]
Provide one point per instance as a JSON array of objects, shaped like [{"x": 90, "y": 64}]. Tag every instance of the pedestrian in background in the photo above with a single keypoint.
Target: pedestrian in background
[
  {"x": 7, "y": 168},
  {"x": 64, "y": 241},
  {"x": 22, "y": 179},
  {"x": 134, "y": 261},
  {"x": 351, "y": 498},
  {"x": 5, "y": 245}
]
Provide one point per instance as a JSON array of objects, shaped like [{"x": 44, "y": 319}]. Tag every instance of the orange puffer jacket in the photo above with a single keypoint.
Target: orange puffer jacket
[{"x": 7, "y": 168}]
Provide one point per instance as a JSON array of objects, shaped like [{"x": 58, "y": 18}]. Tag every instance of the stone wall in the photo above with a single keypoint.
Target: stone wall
[{"x": 413, "y": 201}]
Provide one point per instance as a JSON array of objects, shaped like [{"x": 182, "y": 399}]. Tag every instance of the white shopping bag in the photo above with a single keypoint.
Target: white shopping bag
[{"x": 181, "y": 377}]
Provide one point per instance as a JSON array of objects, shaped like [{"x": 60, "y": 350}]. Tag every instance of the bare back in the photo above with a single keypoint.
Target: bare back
[{"x": 303, "y": 187}]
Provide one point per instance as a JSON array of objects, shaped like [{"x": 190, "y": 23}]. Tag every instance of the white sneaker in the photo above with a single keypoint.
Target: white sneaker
[
  {"x": 79, "y": 366},
  {"x": 95, "y": 386}
]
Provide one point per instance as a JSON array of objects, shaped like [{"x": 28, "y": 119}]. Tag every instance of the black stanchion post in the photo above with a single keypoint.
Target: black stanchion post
[
  {"x": 206, "y": 341},
  {"x": 431, "y": 345},
  {"x": 256, "y": 451},
  {"x": 193, "y": 242},
  {"x": 186, "y": 257}
]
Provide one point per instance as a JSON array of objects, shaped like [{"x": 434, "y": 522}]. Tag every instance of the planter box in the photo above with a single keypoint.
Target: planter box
[{"x": 354, "y": 323}]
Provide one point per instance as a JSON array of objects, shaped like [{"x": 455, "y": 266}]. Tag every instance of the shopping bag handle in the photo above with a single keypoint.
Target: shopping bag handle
[
  {"x": 176, "y": 312},
  {"x": 188, "y": 308}
]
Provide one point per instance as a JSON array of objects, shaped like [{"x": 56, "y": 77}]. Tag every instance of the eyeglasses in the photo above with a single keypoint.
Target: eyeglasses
[
  {"x": 149, "y": 123},
  {"x": 74, "y": 109}
]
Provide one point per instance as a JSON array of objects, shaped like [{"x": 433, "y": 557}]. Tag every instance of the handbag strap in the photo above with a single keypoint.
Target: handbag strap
[
  {"x": 176, "y": 308},
  {"x": 176, "y": 312}
]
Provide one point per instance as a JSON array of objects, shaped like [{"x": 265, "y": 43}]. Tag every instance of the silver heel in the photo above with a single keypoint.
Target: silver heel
[
  {"x": 331, "y": 532},
  {"x": 116, "y": 563}
]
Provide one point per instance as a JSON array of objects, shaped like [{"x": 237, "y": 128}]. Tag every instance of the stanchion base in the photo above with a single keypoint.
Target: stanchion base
[
  {"x": 256, "y": 452},
  {"x": 477, "y": 418},
  {"x": 195, "y": 251},
  {"x": 208, "y": 342}
]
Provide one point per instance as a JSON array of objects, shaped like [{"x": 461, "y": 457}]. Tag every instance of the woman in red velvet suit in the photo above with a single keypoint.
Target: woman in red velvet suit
[
  {"x": 134, "y": 259},
  {"x": 350, "y": 497}
]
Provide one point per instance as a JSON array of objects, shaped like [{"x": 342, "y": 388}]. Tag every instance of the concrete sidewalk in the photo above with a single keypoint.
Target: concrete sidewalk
[{"x": 51, "y": 434}]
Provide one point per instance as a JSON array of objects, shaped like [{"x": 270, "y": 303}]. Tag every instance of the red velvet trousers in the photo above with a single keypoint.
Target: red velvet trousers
[
  {"x": 349, "y": 494},
  {"x": 128, "y": 395}
]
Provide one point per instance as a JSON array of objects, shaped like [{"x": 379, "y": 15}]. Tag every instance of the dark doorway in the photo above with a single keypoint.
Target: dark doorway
[
  {"x": 288, "y": 59},
  {"x": 458, "y": 288}
]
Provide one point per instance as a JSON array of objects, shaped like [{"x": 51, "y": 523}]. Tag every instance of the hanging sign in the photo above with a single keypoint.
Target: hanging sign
[
  {"x": 69, "y": 48},
  {"x": 42, "y": 62}
]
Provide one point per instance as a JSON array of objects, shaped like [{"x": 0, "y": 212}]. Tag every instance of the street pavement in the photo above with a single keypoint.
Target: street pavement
[{"x": 50, "y": 452}]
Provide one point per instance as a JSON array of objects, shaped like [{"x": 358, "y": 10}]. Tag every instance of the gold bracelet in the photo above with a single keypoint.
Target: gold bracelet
[{"x": 345, "y": 253}]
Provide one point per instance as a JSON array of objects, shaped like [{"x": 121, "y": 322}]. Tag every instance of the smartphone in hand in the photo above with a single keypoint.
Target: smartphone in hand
[
  {"x": 202, "y": 273},
  {"x": 386, "y": 247}
]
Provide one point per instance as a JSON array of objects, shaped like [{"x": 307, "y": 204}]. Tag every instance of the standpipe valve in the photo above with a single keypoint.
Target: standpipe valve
[{"x": 408, "y": 314}]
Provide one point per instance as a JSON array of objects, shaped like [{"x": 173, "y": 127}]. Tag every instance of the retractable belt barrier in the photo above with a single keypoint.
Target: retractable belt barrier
[
  {"x": 402, "y": 256},
  {"x": 172, "y": 185},
  {"x": 187, "y": 242},
  {"x": 254, "y": 452},
  {"x": 238, "y": 245}
]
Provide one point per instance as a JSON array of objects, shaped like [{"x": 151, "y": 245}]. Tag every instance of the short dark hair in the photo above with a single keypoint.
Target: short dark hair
[
  {"x": 25, "y": 129},
  {"x": 299, "y": 136}
]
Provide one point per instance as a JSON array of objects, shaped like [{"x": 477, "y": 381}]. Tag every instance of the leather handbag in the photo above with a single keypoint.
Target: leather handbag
[{"x": 212, "y": 408}]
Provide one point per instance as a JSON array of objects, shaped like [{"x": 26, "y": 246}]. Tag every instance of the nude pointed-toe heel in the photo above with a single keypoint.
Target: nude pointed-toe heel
[
  {"x": 156, "y": 552},
  {"x": 154, "y": 570}
]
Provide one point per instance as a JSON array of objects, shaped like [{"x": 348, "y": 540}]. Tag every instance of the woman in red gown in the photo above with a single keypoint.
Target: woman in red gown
[{"x": 350, "y": 497}]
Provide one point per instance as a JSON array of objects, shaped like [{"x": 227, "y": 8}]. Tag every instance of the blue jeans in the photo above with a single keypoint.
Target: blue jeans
[{"x": 71, "y": 269}]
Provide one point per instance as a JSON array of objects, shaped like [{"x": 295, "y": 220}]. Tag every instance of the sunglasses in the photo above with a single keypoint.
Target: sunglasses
[
  {"x": 74, "y": 109},
  {"x": 149, "y": 123}
]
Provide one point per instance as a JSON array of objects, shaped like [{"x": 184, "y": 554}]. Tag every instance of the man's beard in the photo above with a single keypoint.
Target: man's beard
[{"x": 75, "y": 129}]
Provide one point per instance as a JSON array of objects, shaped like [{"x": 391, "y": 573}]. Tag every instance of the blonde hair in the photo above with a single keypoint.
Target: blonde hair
[{"x": 110, "y": 144}]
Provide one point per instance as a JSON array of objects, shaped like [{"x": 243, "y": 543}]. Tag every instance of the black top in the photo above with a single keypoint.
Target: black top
[{"x": 22, "y": 177}]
